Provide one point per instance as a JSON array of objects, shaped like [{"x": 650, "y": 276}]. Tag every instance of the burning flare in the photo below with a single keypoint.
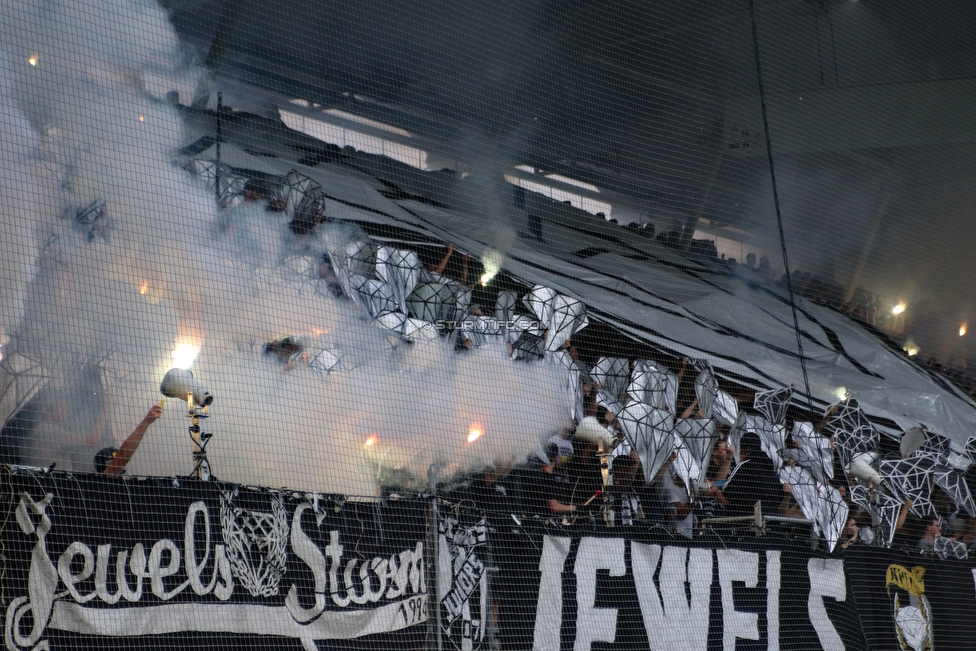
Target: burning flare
[
  {"x": 185, "y": 355},
  {"x": 492, "y": 262},
  {"x": 144, "y": 287},
  {"x": 962, "y": 329},
  {"x": 475, "y": 432},
  {"x": 898, "y": 309}
]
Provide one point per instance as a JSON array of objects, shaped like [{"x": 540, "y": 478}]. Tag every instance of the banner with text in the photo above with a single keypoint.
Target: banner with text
[
  {"x": 593, "y": 590},
  {"x": 913, "y": 603},
  {"x": 91, "y": 562}
]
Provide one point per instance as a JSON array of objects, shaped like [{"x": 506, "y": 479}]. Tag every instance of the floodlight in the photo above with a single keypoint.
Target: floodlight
[
  {"x": 862, "y": 468},
  {"x": 591, "y": 430},
  {"x": 179, "y": 383}
]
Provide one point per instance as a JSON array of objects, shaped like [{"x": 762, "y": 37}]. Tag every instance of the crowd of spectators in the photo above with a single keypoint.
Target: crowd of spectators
[{"x": 576, "y": 481}]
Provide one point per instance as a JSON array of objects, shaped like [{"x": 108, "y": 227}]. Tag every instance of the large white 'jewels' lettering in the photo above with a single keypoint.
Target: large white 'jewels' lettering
[
  {"x": 736, "y": 565},
  {"x": 672, "y": 621},
  {"x": 549, "y": 606},
  {"x": 164, "y": 561},
  {"x": 826, "y": 580},
  {"x": 675, "y": 607},
  {"x": 596, "y": 624}
]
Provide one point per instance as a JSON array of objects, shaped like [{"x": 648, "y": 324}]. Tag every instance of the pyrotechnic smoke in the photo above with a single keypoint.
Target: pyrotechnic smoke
[{"x": 108, "y": 305}]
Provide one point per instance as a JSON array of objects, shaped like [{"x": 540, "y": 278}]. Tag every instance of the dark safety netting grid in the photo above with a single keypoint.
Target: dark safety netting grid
[{"x": 512, "y": 325}]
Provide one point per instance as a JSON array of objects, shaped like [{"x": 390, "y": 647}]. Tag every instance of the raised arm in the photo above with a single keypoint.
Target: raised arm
[
  {"x": 131, "y": 444},
  {"x": 442, "y": 265}
]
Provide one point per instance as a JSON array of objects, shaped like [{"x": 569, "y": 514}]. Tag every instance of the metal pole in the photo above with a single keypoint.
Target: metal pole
[
  {"x": 220, "y": 105},
  {"x": 201, "y": 467},
  {"x": 433, "y": 555},
  {"x": 215, "y": 56}
]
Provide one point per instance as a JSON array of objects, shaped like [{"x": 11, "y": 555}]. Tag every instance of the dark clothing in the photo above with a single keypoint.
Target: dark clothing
[
  {"x": 539, "y": 487},
  {"x": 496, "y": 501},
  {"x": 587, "y": 476},
  {"x": 755, "y": 481}
]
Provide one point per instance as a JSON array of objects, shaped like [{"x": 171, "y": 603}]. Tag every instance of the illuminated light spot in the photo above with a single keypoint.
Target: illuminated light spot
[
  {"x": 370, "y": 441},
  {"x": 900, "y": 308},
  {"x": 185, "y": 355},
  {"x": 32, "y": 60},
  {"x": 962, "y": 329},
  {"x": 492, "y": 262},
  {"x": 142, "y": 118},
  {"x": 475, "y": 432},
  {"x": 144, "y": 287},
  {"x": 841, "y": 393}
]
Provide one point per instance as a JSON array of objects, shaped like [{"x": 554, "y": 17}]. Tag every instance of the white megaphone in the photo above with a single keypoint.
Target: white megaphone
[
  {"x": 180, "y": 383},
  {"x": 590, "y": 430},
  {"x": 860, "y": 468}
]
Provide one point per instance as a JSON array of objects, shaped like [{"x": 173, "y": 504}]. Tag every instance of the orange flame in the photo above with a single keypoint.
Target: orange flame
[
  {"x": 962, "y": 329},
  {"x": 144, "y": 287},
  {"x": 370, "y": 441},
  {"x": 475, "y": 432}
]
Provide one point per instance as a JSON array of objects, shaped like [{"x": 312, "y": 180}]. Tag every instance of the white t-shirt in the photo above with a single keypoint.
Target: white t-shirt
[{"x": 678, "y": 494}]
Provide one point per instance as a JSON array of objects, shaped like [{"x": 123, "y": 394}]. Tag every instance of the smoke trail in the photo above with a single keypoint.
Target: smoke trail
[{"x": 117, "y": 289}]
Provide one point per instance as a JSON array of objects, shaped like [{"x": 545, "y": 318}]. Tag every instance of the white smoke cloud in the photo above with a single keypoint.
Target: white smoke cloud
[{"x": 163, "y": 268}]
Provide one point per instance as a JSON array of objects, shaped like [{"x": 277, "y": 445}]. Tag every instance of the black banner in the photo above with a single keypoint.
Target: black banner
[
  {"x": 91, "y": 562},
  {"x": 621, "y": 589},
  {"x": 462, "y": 580},
  {"x": 910, "y": 602}
]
